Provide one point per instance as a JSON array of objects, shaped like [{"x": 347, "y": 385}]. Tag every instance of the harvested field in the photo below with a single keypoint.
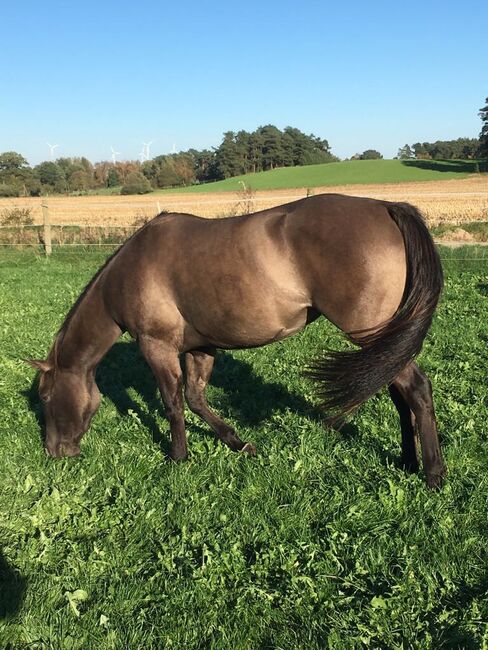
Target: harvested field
[{"x": 455, "y": 201}]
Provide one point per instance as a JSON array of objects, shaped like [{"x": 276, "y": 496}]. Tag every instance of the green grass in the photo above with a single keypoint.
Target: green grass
[
  {"x": 321, "y": 541},
  {"x": 351, "y": 172}
]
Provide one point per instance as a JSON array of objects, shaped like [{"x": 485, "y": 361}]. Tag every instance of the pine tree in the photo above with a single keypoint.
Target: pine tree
[{"x": 483, "y": 148}]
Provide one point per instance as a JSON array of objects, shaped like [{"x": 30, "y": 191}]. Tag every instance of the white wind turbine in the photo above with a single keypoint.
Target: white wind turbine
[
  {"x": 145, "y": 148},
  {"x": 52, "y": 147},
  {"x": 114, "y": 153},
  {"x": 173, "y": 150}
]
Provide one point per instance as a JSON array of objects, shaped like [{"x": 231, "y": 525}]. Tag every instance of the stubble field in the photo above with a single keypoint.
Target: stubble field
[{"x": 456, "y": 201}]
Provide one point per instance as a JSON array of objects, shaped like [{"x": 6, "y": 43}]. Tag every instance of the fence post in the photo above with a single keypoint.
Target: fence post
[
  {"x": 159, "y": 207},
  {"x": 47, "y": 229}
]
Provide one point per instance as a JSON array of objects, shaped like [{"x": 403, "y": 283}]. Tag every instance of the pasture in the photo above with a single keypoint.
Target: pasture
[
  {"x": 347, "y": 172},
  {"x": 320, "y": 541}
]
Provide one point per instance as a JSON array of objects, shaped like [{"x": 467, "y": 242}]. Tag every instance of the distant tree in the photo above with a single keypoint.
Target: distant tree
[
  {"x": 203, "y": 164},
  {"x": 272, "y": 146},
  {"x": 136, "y": 183},
  {"x": 288, "y": 146},
  {"x": 483, "y": 142},
  {"x": 256, "y": 144},
  {"x": 184, "y": 168},
  {"x": 171, "y": 170},
  {"x": 32, "y": 186},
  {"x": 8, "y": 190},
  {"x": 405, "y": 152},
  {"x": 126, "y": 167},
  {"x": 370, "y": 154},
  {"x": 15, "y": 173},
  {"x": 100, "y": 173},
  {"x": 228, "y": 161},
  {"x": 243, "y": 151},
  {"x": 167, "y": 175},
  {"x": 113, "y": 178},
  {"x": 51, "y": 176},
  {"x": 421, "y": 150},
  {"x": 11, "y": 161},
  {"x": 78, "y": 173},
  {"x": 461, "y": 148},
  {"x": 467, "y": 147},
  {"x": 79, "y": 180}
]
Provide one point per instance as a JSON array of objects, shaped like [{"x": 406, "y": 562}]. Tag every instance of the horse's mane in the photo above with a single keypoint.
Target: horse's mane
[
  {"x": 90, "y": 284},
  {"x": 85, "y": 291}
]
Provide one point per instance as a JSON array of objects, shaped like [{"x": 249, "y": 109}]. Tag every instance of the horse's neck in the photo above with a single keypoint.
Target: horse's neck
[{"x": 87, "y": 335}]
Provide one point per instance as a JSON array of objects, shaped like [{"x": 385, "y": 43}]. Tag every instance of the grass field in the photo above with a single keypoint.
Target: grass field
[
  {"x": 320, "y": 541},
  {"x": 349, "y": 172}
]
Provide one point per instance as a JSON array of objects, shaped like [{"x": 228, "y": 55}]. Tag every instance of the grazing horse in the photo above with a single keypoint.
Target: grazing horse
[{"x": 183, "y": 285}]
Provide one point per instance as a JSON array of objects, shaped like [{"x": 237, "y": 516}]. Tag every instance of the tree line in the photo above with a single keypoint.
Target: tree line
[
  {"x": 239, "y": 153},
  {"x": 460, "y": 149}
]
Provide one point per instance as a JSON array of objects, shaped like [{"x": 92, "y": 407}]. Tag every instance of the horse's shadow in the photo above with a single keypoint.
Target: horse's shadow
[
  {"x": 240, "y": 393},
  {"x": 482, "y": 288},
  {"x": 12, "y": 589}
]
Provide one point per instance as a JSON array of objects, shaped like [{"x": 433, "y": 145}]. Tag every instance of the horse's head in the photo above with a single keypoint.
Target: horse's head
[{"x": 69, "y": 400}]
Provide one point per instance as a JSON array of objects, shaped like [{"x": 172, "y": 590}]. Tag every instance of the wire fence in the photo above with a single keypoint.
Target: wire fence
[{"x": 46, "y": 236}]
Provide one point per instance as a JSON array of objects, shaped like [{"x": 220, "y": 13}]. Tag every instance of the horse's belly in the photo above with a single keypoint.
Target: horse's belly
[{"x": 252, "y": 328}]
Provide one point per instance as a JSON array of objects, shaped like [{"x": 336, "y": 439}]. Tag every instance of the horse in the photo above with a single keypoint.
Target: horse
[{"x": 184, "y": 287}]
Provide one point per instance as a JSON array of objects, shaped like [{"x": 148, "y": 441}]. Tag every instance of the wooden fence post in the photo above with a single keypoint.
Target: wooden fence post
[
  {"x": 159, "y": 207},
  {"x": 47, "y": 229}
]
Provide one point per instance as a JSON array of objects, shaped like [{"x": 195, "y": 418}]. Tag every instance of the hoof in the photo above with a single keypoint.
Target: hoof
[
  {"x": 435, "y": 481},
  {"x": 249, "y": 449},
  {"x": 410, "y": 466},
  {"x": 178, "y": 457}
]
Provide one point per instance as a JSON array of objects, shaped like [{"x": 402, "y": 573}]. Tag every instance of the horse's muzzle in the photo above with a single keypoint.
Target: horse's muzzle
[{"x": 62, "y": 450}]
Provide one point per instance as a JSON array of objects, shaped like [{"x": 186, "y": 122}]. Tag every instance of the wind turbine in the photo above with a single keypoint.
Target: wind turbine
[
  {"x": 52, "y": 147},
  {"x": 114, "y": 153},
  {"x": 173, "y": 150},
  {"x": 142, "y": 156},
  {"x": 145, "y": 148}
]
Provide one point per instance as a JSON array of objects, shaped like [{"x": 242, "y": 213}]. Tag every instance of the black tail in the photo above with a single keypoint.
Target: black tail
[{"x": 347, "y": 379}]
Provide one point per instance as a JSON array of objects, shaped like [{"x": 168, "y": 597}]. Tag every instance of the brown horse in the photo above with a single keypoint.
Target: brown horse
[{"x": 186, "y": 285}]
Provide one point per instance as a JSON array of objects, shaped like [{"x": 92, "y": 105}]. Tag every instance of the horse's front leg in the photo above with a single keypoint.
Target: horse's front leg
[{"x": 165, "y": 364}]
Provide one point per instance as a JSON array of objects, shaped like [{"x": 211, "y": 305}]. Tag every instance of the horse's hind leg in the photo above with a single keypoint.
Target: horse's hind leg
[
  {"x": 165, "y": 364},
  {"x": 410, "y": 460},
  {"x": 416, "y": 390},
  {"x": 199, "y": 366}
]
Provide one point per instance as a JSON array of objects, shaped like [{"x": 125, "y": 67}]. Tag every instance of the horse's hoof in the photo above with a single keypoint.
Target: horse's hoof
[
  {"x": 410, "y": 466},
  {"x": 178, "y": 458},
  {"x": 435, "y": 481},
  {"x": 249, "y": 449}
]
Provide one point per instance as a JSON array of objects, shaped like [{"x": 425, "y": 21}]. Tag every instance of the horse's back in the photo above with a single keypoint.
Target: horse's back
[{"x": 247, "y": 280}]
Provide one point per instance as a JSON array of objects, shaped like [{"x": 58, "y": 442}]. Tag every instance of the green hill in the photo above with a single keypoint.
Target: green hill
[{"x": 350, "y": 172}]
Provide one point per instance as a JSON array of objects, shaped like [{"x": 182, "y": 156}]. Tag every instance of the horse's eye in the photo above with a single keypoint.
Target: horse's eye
[{"x": 45, "y": 398}]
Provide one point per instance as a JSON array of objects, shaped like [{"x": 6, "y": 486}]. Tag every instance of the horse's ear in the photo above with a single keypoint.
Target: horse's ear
[{"x": 39, "y": 364}]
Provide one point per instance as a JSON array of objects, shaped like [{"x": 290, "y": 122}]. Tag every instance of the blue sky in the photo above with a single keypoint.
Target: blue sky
[{"x": 370, "y": 74}]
